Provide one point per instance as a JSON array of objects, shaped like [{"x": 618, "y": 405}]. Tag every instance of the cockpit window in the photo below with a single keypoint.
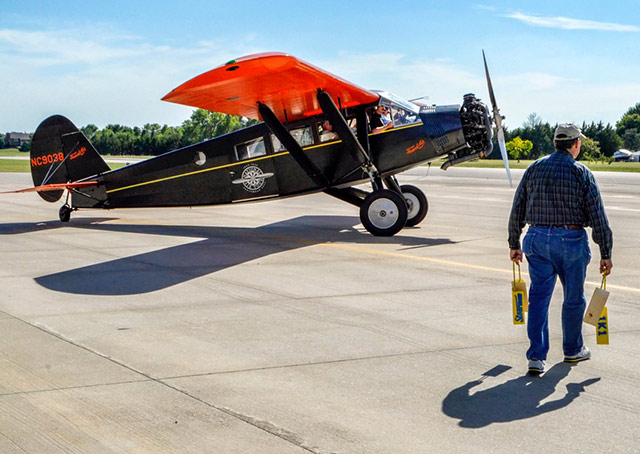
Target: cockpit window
[
  {"x": 390, "y": 98},
  {"x": 403, "y": 112}
]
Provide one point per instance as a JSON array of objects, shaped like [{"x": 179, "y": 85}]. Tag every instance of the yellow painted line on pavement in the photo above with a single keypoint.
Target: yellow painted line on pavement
[
  {"x": 414, "y": 257},
  {"x": 459, "y": 264}
]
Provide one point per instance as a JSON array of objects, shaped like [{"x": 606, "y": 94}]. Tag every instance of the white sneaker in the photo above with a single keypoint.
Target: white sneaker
[
  {"x": 582, "y": 355},
  {"x": 536, "y": 366}
]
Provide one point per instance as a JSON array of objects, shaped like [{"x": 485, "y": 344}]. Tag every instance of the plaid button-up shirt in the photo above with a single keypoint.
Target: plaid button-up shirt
[{"x": 557, "y": 190}]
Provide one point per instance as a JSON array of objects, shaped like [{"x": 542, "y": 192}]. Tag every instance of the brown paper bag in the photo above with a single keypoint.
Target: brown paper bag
[{"x": 596, "y": 305}]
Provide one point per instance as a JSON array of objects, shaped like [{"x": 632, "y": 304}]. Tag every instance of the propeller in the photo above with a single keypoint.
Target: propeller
[{"x": 497, "y": 118}]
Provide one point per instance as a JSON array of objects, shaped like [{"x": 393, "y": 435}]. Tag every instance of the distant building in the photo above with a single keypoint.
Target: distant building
[{"x": 16, "y": 139}]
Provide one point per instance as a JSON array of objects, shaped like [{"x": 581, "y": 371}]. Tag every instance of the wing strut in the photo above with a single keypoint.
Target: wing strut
[
  {"x": 283, "y": 135},
  {"x": 343, "y": 130},
  {"x": 362, "y": 128}
]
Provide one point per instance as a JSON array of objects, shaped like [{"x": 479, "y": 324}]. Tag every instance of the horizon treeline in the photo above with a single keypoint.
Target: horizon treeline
[{"x": 153, "y": 139}]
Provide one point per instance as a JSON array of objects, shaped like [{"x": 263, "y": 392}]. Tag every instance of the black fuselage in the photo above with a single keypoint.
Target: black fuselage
[{"x": 248, "y": 165}]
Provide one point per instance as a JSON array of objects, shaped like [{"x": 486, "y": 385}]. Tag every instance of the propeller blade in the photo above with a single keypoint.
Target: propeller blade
[
  {"x": 503, "y": 152},
  {"x": 492, "y": 96},
  {"x": 497, "y": 119}
]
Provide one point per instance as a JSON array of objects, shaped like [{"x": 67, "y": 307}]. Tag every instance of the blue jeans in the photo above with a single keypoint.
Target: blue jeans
[{"x": 564, "y": 253}]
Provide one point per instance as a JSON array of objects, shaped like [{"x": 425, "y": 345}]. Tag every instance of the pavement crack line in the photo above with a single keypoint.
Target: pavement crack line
[{"x": 269, "y": 428}]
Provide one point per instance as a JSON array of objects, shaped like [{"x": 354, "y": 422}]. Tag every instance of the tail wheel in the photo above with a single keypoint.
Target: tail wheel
[
  {"x": 383, "y": 213},
  {"x": 65, "y": 213},
  {"x": 416, "y": 203}
]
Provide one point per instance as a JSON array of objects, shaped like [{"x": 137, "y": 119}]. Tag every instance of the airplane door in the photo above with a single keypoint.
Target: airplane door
[{"x": 254, "y": 175}]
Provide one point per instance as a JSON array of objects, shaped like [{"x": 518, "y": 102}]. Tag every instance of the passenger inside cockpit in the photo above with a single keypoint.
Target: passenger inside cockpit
[{"x": 380, "y": 120}]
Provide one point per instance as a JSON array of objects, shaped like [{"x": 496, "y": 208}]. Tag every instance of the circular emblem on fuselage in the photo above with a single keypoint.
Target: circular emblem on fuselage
[{"x": 253, "y": 178}]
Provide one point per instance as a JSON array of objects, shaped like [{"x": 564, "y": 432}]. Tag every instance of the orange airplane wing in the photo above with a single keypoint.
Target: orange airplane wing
[{"x": 284, "y": 83}]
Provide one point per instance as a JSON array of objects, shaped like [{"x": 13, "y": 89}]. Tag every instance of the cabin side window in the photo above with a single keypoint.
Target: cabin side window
[
  {"x": 251, "y": 149},
  {"x": 326, "y": 132},
  {"x": 301, "y": 135}
]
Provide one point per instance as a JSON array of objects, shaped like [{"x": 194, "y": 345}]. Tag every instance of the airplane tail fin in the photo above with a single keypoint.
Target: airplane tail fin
[{"x": 60, "y": 153}]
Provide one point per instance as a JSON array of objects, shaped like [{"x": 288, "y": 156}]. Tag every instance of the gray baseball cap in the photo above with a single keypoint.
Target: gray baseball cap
[{"x": 567, "y": 131}]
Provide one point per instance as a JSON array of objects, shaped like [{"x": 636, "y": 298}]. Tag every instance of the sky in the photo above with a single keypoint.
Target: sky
[{"x": 110, "y": 62}]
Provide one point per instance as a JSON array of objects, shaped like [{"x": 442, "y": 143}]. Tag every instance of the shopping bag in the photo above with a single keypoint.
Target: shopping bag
[
  {"x": 596, "y": 305},
  {"x": 520, "y": 303}
]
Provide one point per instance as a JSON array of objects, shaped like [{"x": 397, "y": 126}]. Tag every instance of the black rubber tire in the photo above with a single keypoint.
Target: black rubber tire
[
  {"x": 417, "y": 204},
  {"x": 65, "y": 213},
  {"x": 383, "y": 213}
]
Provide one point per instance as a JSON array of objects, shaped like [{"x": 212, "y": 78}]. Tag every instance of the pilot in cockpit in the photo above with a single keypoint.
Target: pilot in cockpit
[{"x": 380, "y": 120}]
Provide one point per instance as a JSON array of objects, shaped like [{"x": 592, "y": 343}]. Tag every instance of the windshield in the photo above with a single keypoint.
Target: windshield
[
  {"x": 390, "y": 99},
  {"x": 402, "y": 111}
]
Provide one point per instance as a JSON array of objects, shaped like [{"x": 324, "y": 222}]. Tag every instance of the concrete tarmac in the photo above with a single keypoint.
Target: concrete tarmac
[{"x": 284, "y": 327}]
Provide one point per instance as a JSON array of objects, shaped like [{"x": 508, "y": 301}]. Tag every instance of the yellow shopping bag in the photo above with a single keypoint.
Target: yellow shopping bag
[
  {"x": 602, "y": 330},
  {"x": 519, "y": 299}
]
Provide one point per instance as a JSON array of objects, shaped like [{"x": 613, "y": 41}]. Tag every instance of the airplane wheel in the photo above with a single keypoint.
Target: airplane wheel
[
  {"x": 65, "y": 213},
  {"x": 383, "y": 213},
  {"x": 416, "y": 203}
]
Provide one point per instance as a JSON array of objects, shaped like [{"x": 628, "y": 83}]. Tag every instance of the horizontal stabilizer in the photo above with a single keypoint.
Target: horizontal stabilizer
[{"x": 55, "y": 187}]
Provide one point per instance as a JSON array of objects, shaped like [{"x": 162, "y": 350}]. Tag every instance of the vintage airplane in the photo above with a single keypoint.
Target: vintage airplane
[{"x": 316, "y": 135}]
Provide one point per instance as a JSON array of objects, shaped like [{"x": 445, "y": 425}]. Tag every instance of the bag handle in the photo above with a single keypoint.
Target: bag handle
[
  {"x": 514, "y": 271},
  {"x": 603, "y": 286}
]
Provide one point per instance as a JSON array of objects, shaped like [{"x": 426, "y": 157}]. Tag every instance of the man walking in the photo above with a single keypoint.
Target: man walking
[{"x": 558, "y": 197}]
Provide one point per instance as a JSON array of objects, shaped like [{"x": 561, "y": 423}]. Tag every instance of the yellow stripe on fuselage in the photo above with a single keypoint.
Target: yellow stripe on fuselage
[{"x": 195, "y": 172}]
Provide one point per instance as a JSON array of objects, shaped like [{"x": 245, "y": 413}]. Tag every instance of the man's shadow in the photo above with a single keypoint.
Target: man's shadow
[{"x": 519, "y": 398}]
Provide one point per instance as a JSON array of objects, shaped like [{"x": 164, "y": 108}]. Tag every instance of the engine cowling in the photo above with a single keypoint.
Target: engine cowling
[
  {"x": 476, "y": 125},
  {"x": 476, "y": 128}
]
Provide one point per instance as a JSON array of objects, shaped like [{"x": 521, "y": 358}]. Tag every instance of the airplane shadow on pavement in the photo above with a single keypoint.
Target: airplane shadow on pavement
[
  {"x": 214, "y": 249},
  {"x": 516, "y": 399}
]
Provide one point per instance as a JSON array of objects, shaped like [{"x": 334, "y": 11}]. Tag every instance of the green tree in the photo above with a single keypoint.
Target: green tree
[
  {"x": 155, "y": 139},
  {"x": 204, "y": 125},
  {"x": 630, "y": 120},
  {"x": 89, "y": 131},
  {"x": 170, "y": 139},
  {"x": 631, "y": 139},
  {"x": 519, "y": 148},
  {"x": 590, "y": 151},
  {"x": 606, "y": 136},
  {"x": 114, "y": 139},
  {"x": 633, "y": 110},
  {"x": 538, "y": 132}
]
